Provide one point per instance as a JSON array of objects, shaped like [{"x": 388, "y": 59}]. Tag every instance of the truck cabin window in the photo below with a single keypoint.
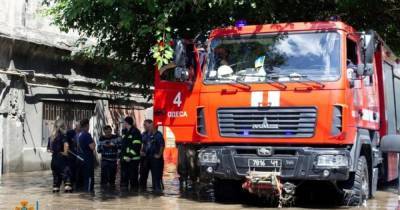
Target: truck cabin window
[
  {"x": 352, "y": 58},
  {"x": 281, "y": 57},
  {"x": 167, "y": 72}
]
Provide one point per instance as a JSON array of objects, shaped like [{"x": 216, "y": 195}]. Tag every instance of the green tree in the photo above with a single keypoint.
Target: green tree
[{"x": 132, "y": 33}]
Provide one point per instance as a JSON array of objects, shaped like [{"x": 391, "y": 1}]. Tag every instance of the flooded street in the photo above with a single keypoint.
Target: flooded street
[{"x": 35, "y": 186}]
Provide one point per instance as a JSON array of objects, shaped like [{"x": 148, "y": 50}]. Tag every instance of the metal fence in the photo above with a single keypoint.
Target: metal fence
[{"x": 71, "y": 113}]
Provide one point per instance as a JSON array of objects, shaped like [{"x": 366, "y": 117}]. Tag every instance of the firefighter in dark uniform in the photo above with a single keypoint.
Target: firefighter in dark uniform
[
  {"x": 58, "y": 146},
  {"x": 71, "y": 139},
  {"x": 85, "y": 149},
  {"x": 130, "y": 155},
  {"x": 108, "y": 148},
  {"x": 152, "y": 157}
]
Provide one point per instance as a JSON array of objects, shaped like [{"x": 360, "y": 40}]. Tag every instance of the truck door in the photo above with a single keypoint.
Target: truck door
[{"x": 175, "y": 101}]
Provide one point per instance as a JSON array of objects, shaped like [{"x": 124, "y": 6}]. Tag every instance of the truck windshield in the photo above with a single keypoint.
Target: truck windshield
[{"x": 278, "y": 57}]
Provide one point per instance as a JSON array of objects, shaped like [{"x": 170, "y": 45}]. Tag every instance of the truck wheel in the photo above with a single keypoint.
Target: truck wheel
[{"x": 357, "y": 188}]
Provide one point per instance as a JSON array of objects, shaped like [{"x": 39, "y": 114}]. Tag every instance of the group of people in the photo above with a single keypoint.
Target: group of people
[{"x": 136, "y": 154}]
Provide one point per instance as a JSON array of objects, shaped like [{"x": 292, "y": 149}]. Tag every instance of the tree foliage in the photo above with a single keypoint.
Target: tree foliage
[{"x": 133, "y": 33}]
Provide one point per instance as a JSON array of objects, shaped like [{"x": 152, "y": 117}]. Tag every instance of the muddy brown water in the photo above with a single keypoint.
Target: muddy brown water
[{"x": 36, "y": 186}]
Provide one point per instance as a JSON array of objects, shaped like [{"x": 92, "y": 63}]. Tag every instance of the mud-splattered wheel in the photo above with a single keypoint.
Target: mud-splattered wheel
[{"x": 356, "y": 189}]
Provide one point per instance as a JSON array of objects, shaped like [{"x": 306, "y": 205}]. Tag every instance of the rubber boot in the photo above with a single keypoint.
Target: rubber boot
[{"x": 68, "y": 188}]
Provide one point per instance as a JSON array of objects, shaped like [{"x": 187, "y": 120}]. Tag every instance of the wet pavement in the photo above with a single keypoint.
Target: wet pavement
[{"x": 36, "y": 186}]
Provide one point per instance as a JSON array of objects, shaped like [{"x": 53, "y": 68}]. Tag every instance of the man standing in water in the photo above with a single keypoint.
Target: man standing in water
[
  {"x": 72, "y": 137},
  {"x": 108, "y": 147},
  {"x": 86, "y": 147},
  {"x": 152, "y": 157},
  {"x": 130, "y": 154}
]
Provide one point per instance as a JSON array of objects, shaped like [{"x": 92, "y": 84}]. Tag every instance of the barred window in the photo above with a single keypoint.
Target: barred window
[{"x": 68, "y": 111}]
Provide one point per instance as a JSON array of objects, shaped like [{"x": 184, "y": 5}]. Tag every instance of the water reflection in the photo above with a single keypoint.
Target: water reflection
[{"x": 35, "y": 186}]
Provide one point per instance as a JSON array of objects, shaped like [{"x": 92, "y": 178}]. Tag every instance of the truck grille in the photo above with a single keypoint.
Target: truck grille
[{"x": 280, "y": 122}]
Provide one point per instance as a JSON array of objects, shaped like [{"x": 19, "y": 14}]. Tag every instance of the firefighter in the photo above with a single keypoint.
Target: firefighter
[
  {"x": 85, "y": 148},
  {"x": 108, "y": 148},
  {"x": 152, "y": 157},
  {"x": 58, "y": 146},
  {"x": 130, "y": 154}
]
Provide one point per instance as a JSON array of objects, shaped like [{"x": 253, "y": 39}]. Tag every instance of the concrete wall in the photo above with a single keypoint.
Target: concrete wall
[
  {"x": 21, "y": 120},
  {"x": 12, "y": 106},
  {"x": 29, "y": 42},
  {"x": 24, "y": 19},
  {"x": 35, "y": 155}
]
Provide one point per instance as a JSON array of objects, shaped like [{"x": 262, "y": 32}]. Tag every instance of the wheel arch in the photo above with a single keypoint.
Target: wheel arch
[{"x": 365, "y": 145}]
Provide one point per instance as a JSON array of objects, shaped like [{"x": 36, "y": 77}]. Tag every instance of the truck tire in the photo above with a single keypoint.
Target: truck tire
[{"x": 357, "y": 187}]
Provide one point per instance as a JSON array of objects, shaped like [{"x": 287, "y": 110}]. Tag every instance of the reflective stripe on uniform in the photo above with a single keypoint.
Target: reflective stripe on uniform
[
  {"x": 131, "y": 158},
  {"x": 130, "y": 151},
  {"x": 137, "y": 141}
]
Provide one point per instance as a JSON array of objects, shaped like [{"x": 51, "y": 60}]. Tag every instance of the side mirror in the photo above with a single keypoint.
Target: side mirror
[
  {"x": 181, "y": 73},
  {"x": 368, "y": 49},
  {"x": 180, "y": 54},
  {"x": 368, "y": 69},
  {"x": 364, "y": 69},
  {"x": 369, "y": 46},
  {"x": 390, "y": 143},
  {"x": 360, "y": 69}
]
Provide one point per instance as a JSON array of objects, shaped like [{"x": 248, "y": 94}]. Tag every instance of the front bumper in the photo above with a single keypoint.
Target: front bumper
[{"x": 296, "y": 163}]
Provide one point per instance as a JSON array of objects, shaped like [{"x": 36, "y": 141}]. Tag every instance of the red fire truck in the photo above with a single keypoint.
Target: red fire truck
[{"x": 271, "y": 106}]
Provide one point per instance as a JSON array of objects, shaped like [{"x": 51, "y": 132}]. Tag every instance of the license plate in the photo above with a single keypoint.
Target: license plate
[{"x": 265, "y": 163}]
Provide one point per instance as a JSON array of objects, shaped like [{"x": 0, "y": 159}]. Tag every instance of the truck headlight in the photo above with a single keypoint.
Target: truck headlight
[
  {"x": 208, "y": 156},
  {"x": 332, "y": 161}
]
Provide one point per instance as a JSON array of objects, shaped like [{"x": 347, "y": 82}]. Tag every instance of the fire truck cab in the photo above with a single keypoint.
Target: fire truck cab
[{"x": 271, "y": 106}]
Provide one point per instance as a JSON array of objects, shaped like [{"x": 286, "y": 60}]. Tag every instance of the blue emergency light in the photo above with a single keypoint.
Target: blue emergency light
[{"x": 240, "y": 23}]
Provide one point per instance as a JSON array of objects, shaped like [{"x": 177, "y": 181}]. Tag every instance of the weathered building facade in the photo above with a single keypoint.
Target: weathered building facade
[{"x": 38, "y": 85}]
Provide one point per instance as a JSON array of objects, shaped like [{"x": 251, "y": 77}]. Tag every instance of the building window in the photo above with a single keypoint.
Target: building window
[{"x": 70, "y": 112}]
